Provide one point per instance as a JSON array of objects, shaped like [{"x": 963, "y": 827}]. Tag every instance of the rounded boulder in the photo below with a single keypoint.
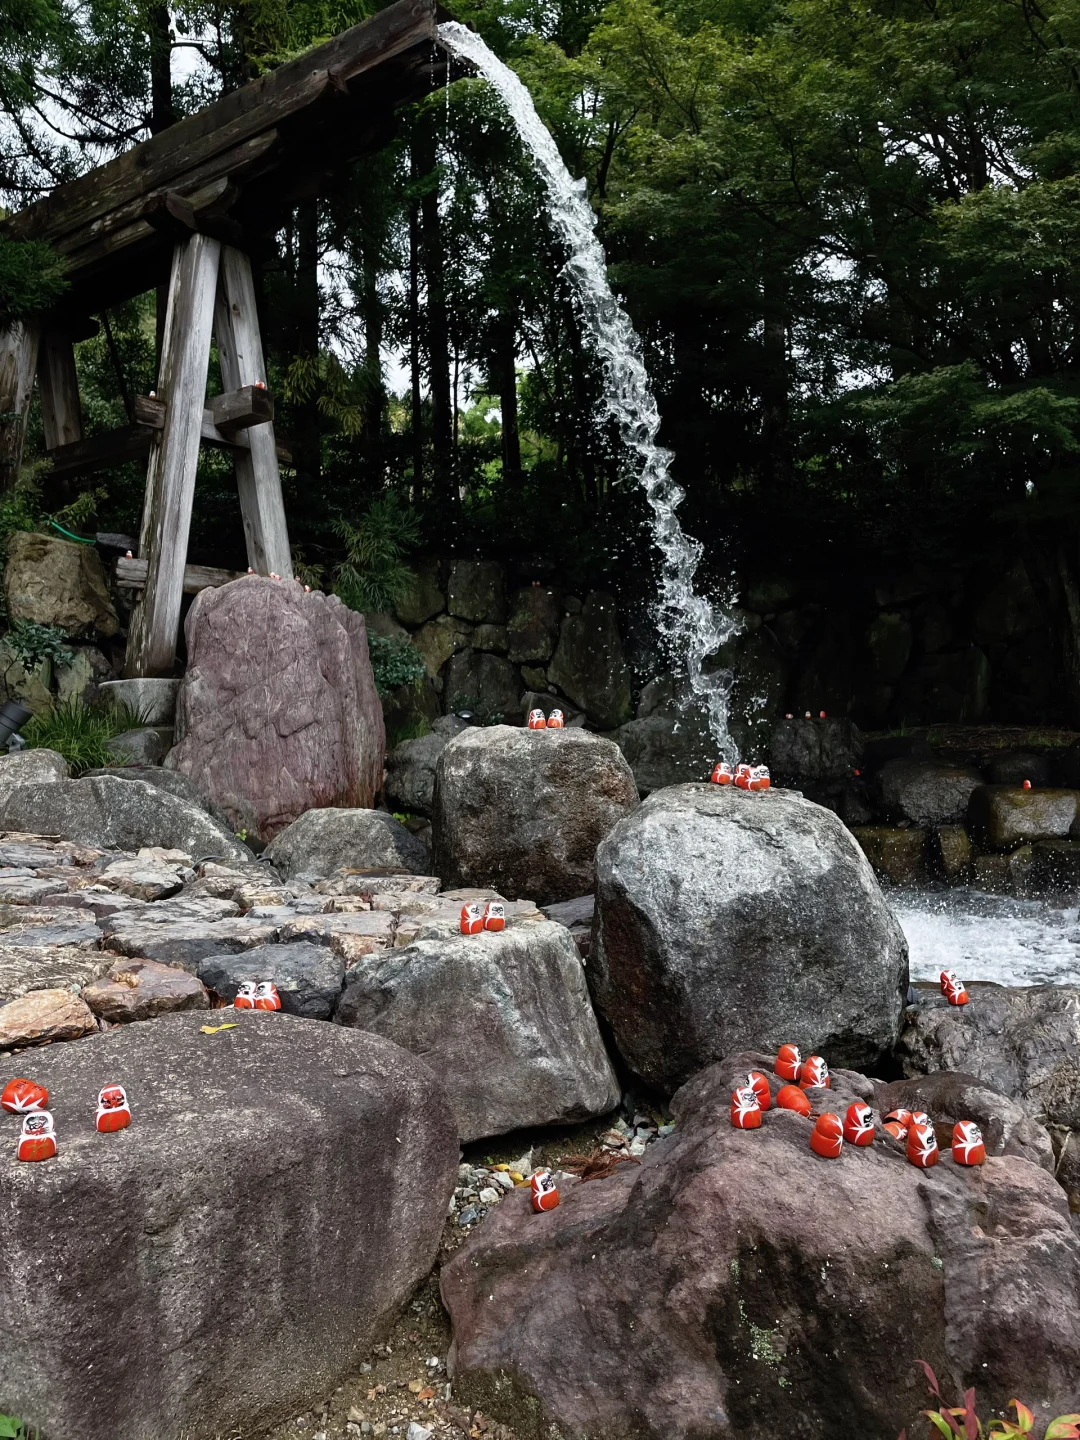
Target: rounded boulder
[
  {"x": 523, "y": 811},
  {"x": 728, "y": 921},
  {"x": 218, "y": 1266}
]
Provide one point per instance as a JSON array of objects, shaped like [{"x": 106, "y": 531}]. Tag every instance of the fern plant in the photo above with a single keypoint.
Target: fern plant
[{"x": 373, "y": 576}]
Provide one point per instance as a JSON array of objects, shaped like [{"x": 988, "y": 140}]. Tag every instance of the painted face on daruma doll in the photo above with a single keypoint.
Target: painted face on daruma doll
[{"x": 113, "y": 1112}]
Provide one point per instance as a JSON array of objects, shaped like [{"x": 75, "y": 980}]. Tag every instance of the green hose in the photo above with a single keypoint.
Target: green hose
[{"x": 80, "y": 538}]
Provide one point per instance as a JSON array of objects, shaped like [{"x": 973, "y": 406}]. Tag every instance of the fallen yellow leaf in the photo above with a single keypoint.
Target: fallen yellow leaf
[
  {"x": 416, "y": 1386},
  {"x": 426, "y": 1394},
  {"x": 213, "y": 1029}
]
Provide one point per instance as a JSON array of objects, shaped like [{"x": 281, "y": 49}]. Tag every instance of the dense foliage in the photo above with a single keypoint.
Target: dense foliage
[{"x": 846, "y": 229}]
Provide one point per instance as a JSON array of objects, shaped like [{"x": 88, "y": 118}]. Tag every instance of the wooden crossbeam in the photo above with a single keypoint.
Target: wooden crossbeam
[
  {"x": 130, "y": 574},
  {"x": 241, "y": 409}
]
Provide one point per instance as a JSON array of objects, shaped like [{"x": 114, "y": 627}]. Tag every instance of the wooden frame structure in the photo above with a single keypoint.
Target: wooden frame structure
[{"x": 195, "y": 202}]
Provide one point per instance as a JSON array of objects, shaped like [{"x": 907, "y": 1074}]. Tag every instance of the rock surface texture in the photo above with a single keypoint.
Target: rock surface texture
[
  {"x": 56, "y": 582},
  {"x": 726, "y": 920},
  {"x": 114, "y": 813},
  {"x": 322, "y": 841},
  {"x": 277, "y": 713},
  {"x": 925, "y": 794},
  {"x": 1000, "y": 817},
  {"x": 224, "y": 1261},
  {"x": 737, "y": 1285},
  {"x": 410, "y": 767},
  {"x": 505, "y": 1019},
  {"x": 589, "y": 664},
  {"x": 814, "y": 750},
  {"x": 524, "y": 810}
]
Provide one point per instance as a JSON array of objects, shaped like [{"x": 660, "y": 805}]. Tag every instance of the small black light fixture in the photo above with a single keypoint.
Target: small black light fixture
[{"x": 13, "y": 716}]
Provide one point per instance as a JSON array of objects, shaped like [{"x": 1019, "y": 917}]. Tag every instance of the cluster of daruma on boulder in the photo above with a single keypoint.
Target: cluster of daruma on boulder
[{"x": 915, "y": 1129}]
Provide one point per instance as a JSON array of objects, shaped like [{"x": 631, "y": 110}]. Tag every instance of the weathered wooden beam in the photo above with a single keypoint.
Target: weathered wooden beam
[
  {"x": 242, "y": 408},
  {"x": 18, "y": 361},
  {"x": 58, "y": 387},
  {"x": 163, "y": 160},
  {"x": 170, "y": 478},
  {"x": 258, "y": 479},
  {"x": 101, "y": 452},
  {"x": 130, "y": 574}
]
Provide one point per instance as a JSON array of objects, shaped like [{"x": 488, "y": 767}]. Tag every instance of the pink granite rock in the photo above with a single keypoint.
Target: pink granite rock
[{"x": 278, "y": 711}]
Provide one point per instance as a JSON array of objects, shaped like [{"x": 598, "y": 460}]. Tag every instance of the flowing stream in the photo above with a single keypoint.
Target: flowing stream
[
  {"x": 691, "y": 628},
  {"x": 989, "y": 937}
]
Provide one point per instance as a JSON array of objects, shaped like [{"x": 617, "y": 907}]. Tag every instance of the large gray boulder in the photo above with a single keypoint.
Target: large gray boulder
[
  {"x": 116, "y": 814},
  {"x": 50, "y": 581},
  {"x": 1001, "y": 817},
  {"x": 503, "y": 1018},
  {"x": 727, "y": 920},
  {"x": 735, "y": 1284},
  {"x": 173, "y": 781},
  {"x": 32, "y": 767},
  {"x": 322, "y": 841},
  {"x": 222, "y": 1263},
  {"x": 278, "y": 711},
  {"x": 524, "y": 810},
  {"x": 1021, "y": 1041},
  {"x": 409, "y": 783},
  {"x": 925, "y": 794}
]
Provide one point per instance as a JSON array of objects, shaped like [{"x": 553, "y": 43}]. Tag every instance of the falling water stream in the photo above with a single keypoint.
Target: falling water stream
[{"x": 689, "y": 625}]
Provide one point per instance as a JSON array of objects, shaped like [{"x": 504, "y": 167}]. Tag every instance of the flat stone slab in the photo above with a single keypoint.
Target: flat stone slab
[
  {"x": 308, "y": 977},
  {"x": 24, "y": 968},
  {"x": 42, "y": 1016},
  {"x": 187, "y": 942}
]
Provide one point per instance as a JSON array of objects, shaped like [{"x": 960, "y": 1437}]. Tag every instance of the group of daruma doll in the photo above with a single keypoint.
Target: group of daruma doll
[
  {"x": 38, "y": 1138},
  {"x": 914, "y": 1127}
]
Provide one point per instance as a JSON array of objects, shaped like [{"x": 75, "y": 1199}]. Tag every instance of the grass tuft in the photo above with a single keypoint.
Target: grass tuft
[{"x": 81, "y": 734}]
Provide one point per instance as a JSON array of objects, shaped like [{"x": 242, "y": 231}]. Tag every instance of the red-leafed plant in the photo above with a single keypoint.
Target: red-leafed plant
[{"x": 960, "y": 1422}]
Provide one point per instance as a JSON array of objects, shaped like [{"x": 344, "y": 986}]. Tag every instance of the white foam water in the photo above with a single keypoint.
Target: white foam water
[
  {"x": 989, "y": 937},
  {"x": 690, "y": 626}
]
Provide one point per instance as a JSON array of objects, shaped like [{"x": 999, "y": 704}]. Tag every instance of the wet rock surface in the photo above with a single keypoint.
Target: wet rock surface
[
  {"x": 726, "y": 919},
  {"x": 926, "y": 794},
  {"x": 1001, "y": 817},
  {"x": 278, "y": 1129},
  {"x": 524, "y": 810},
  {"x": 322, "y": 841},
  {"x": 737, "y": 1284}
]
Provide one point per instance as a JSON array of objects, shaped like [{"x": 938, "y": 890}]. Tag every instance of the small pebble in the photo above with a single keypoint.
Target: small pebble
[
  {"x": 488, "y": 1196},
  {"x": 467, "y": 1217}
]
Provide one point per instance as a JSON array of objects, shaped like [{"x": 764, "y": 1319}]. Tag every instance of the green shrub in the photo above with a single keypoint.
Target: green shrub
[
  {"x": 33, "y": 643},
  {"x": 394, "y": 662},
  {"x": 11, "y": 1428},
  {"x": 81, "y": 732},
  {"x": 960, "y": 1422},
  {"x": 373, "y": 575}
]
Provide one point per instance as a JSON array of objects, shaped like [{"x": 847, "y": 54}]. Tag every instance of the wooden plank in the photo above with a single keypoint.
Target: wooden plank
[
  {"x": 100, "y": 452},
  {"x": 236, "y": 117},
  {"x": 149, "y": 410},
  {"x": 131, "y": 575},
  {"x": 58, "y": 386},
  {"x": 170, "y": 477},
  {"x": 241, "y": 409},
  {"x": 18, "y": 362},
  {"x": 258, "y": 479}
]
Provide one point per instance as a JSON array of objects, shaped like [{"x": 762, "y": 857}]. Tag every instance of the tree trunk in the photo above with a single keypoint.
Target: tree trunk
[
  {"x": 438, "y": 324},
  {"x": 307, "y": 439},
  {"x": 414, "y": 347},
  {"x": 504, "y": 382},
  {"x": 162, "y": 115}
]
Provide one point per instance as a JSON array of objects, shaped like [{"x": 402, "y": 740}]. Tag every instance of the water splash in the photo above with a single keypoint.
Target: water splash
[{"x": 691, "y": 628}]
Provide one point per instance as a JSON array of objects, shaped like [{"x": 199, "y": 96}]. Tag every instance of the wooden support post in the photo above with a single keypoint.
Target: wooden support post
[
  {"x": 18, "y": 361},
  {"x": 170, "y": 477},
  {"x": 257, "y": 476},
  {"x": 58, "y": 384}
]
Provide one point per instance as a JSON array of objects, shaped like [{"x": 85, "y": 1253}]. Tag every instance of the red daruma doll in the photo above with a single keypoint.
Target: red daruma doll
[
  {"x": 967, "y": 1144},
  {"x": 742, "y": 777},
  {"x": 38, "y": 1138},
  {"x": 245, "y": 995},
  {"x": 815, "y": 1074},
  {"x": 555, "y": 720},
  {"x": 745, "y": 1110},
  {"x": 22, "y": 1096},
  {"x": 722, "y": 773},
  {"x": 788, "y": 1062},
  {"x": 759, "y": 1083},
  {"x": 759, "y": 778},
  {"x": 790, "y": 1097},
  {"x": 953, "y": 988},
  {"x": 472, "y": 918},
  {"x": 827, "y": 1137},
  {"x": 859, "y": 1124},
  {"x": 495, "y": 915},
  {"x": 113, "y": 1110},
  {"x": 266, "y": 996},
  {"x": 922, "y": 1148},
  {"x": 545, "y": 1193},
  {"x": 537, "y": 720},
  {"x": 897, "y": 1123}
]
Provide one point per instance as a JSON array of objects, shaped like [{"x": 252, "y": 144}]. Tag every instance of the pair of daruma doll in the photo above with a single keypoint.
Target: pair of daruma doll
[
  {"x": 257, "y": 995},
  {"x": 476, "y": 917},
  {"x": 539, "y": 721},
  {"x": 38, "y": 1138},
  {"x": 743, "y": 777}
]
